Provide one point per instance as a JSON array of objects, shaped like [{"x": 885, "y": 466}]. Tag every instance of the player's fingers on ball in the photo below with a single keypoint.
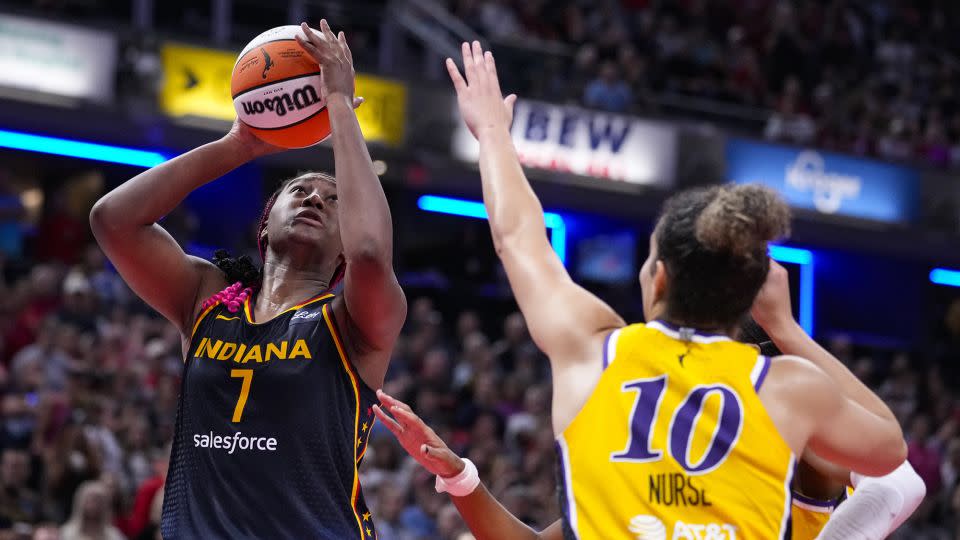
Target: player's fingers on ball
[
  {"x": 309, "y": 34},
  {"x": 327, "y": 33},
  {"x": 346, "y": 48}
]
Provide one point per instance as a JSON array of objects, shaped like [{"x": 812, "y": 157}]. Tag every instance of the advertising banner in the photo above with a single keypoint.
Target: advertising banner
[
  {"x": 588, "y": 143},
  {"x": 57, "y": 59},
  {"x": 828, "y": 183}
]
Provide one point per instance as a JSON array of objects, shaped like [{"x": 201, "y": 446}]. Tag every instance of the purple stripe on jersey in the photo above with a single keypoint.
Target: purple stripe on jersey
[
  {"x": 763, "y": 373},
  {"x": 787, "y": 532},
  {"x": 606, "y": 349},
  {"x": 832, "y": 503}
]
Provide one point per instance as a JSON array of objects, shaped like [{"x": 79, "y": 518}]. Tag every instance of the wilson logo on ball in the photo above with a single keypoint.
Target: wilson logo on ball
[{"x": 279, "y": 105}]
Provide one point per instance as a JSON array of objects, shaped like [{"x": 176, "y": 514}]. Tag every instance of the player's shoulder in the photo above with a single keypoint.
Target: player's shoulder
[{"x": 800, "y": 379}]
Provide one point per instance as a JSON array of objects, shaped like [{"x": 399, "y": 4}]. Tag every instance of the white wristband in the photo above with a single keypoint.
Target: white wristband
[{"x": 462, "y": 484}]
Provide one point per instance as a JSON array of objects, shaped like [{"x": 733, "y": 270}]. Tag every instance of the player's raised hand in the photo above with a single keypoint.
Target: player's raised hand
[
  {"x": 482, "y": 104},
  {"x": 417, "y": 438},
  {"x": 772, "y": 309},
  {"x": 333, "y": 55}
]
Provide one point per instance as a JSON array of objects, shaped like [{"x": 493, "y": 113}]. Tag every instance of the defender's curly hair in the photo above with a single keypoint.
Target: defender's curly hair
[
  {"x": 246, "y": 277},
  {"x": 713, "y": 243}
]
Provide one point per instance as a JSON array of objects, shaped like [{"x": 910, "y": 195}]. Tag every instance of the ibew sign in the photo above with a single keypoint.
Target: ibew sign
[
  {"x": 826, "y": 182},
  {"x": 588, "y": 143}
]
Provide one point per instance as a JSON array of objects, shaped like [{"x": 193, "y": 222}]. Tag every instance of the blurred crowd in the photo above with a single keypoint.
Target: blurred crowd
[
  {"x": 88, "y": 394},
  {"x": 869, "y": 77}
]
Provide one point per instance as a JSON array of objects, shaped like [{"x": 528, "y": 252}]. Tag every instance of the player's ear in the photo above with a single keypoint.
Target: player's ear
[{"x": 660, "y": 282}]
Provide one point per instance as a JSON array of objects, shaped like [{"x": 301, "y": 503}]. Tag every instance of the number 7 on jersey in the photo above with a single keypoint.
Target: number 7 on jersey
[{"x": 247, "y": 376}]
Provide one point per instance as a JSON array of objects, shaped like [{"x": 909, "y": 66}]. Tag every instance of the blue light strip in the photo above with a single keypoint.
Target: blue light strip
[
  {"x": 804, "y": 258},
  {"x": 79, "y": 149},
  {"x": 942, "y": 276},
  {"x": 473, "y": 209}
]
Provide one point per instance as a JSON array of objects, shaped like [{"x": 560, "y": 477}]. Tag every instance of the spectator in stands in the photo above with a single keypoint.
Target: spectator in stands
[
  {"x": 608, "y": 92},
  {"x": 791, "y": 123},
  {"x": 18, "y": 503},
  {"x": 91, "y": 516}
]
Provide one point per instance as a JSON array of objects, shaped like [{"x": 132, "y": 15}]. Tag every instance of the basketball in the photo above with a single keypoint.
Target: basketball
[{"x": 275, "y": 87}]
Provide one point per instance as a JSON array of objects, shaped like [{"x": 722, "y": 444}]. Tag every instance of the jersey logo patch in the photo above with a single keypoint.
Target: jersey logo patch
[
  {"x": 305, "y": 316},
  {"x": 648, "y": 528}
]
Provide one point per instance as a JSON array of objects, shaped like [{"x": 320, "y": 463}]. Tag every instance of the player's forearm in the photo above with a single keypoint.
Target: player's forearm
[
  {"x": 513, "y": 208},
  {"x": 877, "y": 507},
  {"x": 366, "y": 227},
  {"x": 154, "y": 193},
  {"x": 489, "y": 520},
  {"x": 791, "y": 339}
]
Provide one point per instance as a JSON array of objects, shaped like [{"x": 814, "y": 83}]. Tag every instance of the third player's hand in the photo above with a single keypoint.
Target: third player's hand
[
  {"x": 417, "y": 438},
  {"x": 772, "y": 308}
]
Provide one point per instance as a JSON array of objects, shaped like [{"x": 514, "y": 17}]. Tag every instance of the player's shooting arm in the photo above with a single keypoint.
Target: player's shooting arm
[
  {"x": 563, "y": 318},
  {"x": 124, "y": 222},
  {"x": 483, "y": 514},
  {"x": 375, "y": 304}
]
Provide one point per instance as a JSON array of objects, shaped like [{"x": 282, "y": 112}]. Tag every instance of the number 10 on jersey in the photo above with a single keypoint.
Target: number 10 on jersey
[{"x": 646, "y": 409}]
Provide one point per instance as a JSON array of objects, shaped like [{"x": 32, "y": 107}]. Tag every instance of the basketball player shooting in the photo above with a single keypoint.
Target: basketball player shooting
[{"x": 274, "y": 410}]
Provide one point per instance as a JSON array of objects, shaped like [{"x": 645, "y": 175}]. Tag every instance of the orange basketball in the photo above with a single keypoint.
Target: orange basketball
[{"x": 276, "y": 90}]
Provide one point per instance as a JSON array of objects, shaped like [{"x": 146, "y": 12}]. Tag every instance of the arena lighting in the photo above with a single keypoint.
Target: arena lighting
[
  {"x": 804, "y": 258},
  {"x": 79, "y": 149},
  {"x": 473, "y": 209},
  {"x": 942, "y": 276}
]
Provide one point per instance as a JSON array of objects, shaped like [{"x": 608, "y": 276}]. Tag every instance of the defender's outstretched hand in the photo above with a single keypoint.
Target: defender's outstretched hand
[
  {"x": 417, "y": 438},
  {"x": 482, "y": 104}
]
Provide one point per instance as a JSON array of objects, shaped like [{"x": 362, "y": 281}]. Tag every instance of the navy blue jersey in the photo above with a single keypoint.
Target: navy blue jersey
[{"x": 271, "y": 427}]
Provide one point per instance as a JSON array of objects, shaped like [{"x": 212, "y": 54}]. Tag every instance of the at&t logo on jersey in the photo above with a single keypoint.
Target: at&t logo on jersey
[{"x": 648, "y": 527}]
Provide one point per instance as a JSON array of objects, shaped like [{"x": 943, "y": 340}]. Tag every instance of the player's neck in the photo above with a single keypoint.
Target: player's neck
[{"x": 285, "y": 285}]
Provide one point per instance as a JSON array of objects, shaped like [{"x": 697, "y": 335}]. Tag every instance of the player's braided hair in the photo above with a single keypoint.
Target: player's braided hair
[
  {"x": 241, "y": 272},
  {"x": 713, "y": 243}
]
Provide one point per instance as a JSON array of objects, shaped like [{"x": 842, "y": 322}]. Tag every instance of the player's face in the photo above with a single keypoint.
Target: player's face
[{"x": 306, "y": 212}]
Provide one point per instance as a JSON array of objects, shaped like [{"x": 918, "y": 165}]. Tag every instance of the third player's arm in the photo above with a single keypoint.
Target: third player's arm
[
  {"x": 483, "y": 514},
  {"x": 564, "y": 319}
]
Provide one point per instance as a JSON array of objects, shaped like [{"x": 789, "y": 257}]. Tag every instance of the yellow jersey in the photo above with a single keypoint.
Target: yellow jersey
[
  {"x": 674, "y": 443},
  {"x": 810, "y": 515}
]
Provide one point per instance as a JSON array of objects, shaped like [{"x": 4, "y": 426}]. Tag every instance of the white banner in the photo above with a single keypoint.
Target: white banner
[
  {"x": 57, "y": 58},
  {"x": 588, "y": 143}
]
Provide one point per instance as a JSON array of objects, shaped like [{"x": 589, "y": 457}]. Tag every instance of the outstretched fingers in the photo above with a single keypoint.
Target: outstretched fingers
[{"x": 458, "y": 83}]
